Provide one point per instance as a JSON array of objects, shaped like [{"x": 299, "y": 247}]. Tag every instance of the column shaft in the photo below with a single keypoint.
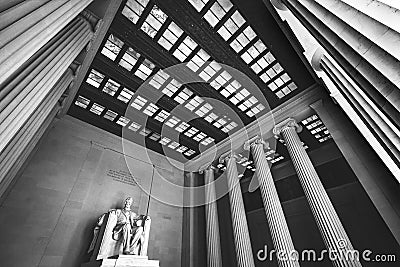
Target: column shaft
[
  {"x": 23, "y": 37},
  {"x": 13, "y": 156},
  {"x": 369, "y": 67},
  {"x": 241, "y": 234},
  {"x": 358, "y": 152},
  {"x": 377, "y": 120},
  {"x": 214, "y": 258},
  {"x": 276, "y": 219},
  {"x": 30, "y": 90},
  {"x": 329, "y": 224}
]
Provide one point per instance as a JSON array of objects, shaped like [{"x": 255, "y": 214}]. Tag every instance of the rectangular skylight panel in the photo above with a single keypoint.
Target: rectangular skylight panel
[
  {"x": 277, "y": 67},
  {"x": 134, "y": 126},
  {"x": 134, "y": 9},
  {"x": 253, "y": 52},
  {"x": 211, "y": 117},
  {"x": 95, "y": 78},
  {"x": 158, "y": 79},
  {"x": 271, "y": 72},
  {"x": 191, "y": 132},
  {"x": 269, "y": 57},
  {"x": 145, "y": 132},
  {"x": 207, "y": 141},
  {"x": 194, "y": 103},
  {"x": 220, "y": 122},
  {"x": 162, "y": 116},
  {"x": 182, "y": 127},
  {"x": 231, "y": 26},
  {"x": 199, "y": 137},
  {"x": 173, "y": 145},
  {"x": 285, "y": 77},
  {"x": 123, "y": 121},
  {"x": 314, "y": 124},
  {"x": 181, "y": 149},
  {"x": 110, "y": 115},
  {"x": 243, "y": 39},
  {"x": 309, "y": 119},
  {"x": 150, "y": 109},
  {"x": 198, "y": 60},
  {"x": 170, "y": 36},
  {"x": 185, "y": 49},
  {"x": 165, "y": 140},
  {"x": 96, "y": 109},
  {"x": 144, "y": 69},
  {"x": 214, "y": 14},
  {"x": 82, "y": 102},
  {"x": 169, "y": 90},
  {"x": 279, "y": 94},
  {"x": 129, "y": 59},
  {"x": 292, "y": 86},
  {"x": 263, "y": 63},
  {"x": 229, "y": 126},
  {"x": 183, "y": 95},
  {"x": 154, "y": 21},
  {"x": 155, "y": 137},
  {"x": 272, "y": 86},
  {"x": 225, "y": 4},
  {"x": 203, "y": 110},
  {"x": 257, "y": 109},
  {"x": 111, "y": 87},
  {"x": 278, "y": 81},
  {"x": 260, "y": 46},
  {"x": 139, "y": 102},
  {"x": 112, "y": 47},
  {"x": 256, "y": 68},
  {"x": 190, "y": 152},
  {"x": 172, "y": 122},
  {"x": 125, "y": 95},
  {"x": 285, "y": 90},
  {"x": 264, "y": 77},
  {"x": 198, "y": 4}
]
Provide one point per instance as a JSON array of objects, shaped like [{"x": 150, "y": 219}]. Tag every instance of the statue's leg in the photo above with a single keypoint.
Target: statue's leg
[
  {"x": 138, "y": 234},
  {"x": 126, "y": 235}
]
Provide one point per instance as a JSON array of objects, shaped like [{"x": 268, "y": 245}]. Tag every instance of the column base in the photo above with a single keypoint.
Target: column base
[{"x": 125, "y": 261}]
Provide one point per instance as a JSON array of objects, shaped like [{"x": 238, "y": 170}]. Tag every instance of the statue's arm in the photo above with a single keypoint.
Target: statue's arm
[{"x": 96, "y": 231}]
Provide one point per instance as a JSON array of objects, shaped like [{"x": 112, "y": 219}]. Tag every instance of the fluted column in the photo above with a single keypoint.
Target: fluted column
[
  {"x": 27, "y": 26},
  {"x": 276, "y": 219},
  {"x": 212, "y": 226},
  {"x": 24, "y": 93},
  {"x": 379, "y": 122},
  {"x": 329, "y": 224},
  {"x": 361, "y": 45},
  {"x": 244, "y": 253},
  {"x": 28, "y": 99}
]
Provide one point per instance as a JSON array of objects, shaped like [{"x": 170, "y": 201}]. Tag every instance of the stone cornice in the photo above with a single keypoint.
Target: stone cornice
[{"x": 262, "y": 127}]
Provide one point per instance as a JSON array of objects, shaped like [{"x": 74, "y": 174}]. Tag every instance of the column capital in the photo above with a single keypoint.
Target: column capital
[
  {"x": 208, "y": 167},
  {"x": 289, "y": 122},
  {"x": 278, "y": 4},
  {"x": 227, "y": 155},
  {"x": 253, "y": 141},
  {"x": 316, "y": 59}
]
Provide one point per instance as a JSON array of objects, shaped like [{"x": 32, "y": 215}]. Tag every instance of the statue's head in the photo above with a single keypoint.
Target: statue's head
[{"x": 128, "y": 202}]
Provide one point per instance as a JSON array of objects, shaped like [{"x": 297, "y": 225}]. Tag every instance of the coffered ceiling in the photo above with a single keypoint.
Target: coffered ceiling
[{"x": 179, "y": 76}]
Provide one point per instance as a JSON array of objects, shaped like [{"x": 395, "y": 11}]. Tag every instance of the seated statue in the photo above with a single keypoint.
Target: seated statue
[{"x": 125, "y": 233}]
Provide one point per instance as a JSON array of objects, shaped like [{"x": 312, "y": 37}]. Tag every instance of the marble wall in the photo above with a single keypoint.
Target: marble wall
[{"x": 77, "y": 173}]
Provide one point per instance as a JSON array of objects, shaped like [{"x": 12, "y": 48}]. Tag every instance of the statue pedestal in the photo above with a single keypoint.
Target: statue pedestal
[{"x": 124, "y": 261}]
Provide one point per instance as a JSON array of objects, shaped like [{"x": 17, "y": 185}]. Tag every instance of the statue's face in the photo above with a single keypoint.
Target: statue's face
[{"x": 128, "y": 202}]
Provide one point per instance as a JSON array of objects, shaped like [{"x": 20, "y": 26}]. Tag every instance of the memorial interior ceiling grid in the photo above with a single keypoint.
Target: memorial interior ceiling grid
[{"x": 148, "y": 36}]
